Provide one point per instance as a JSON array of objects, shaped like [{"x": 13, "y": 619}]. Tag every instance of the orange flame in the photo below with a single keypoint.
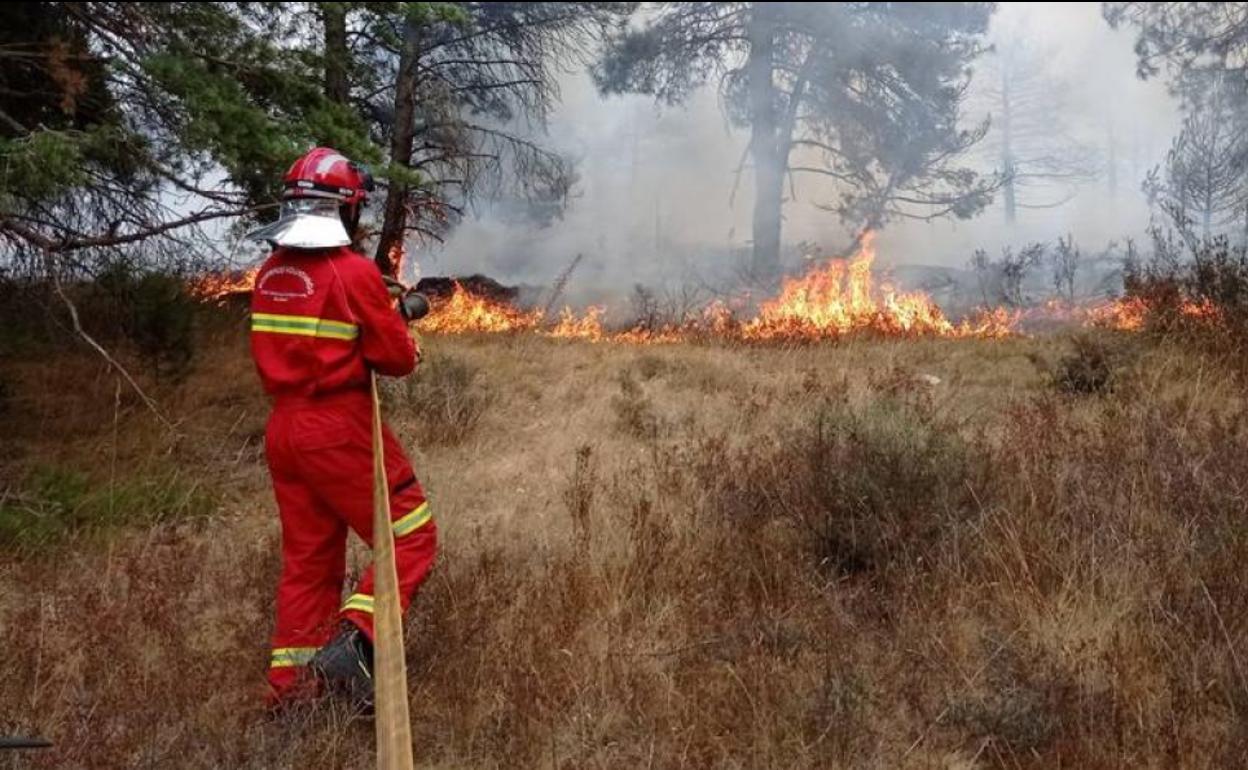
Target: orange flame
[
  {"x": 466, "y": 313},
  {"x": 1126, "y": 314},
  {"x": 829, "y": 301},
  {"x": 396, "y": 254},
  {"x": 588, "y": 327},
  {"x": 220, "y": 286},
  {"x": 1131, "y": 313},
  {"x": 837, "y": 298},
  {"x": 996, "y": 324}
]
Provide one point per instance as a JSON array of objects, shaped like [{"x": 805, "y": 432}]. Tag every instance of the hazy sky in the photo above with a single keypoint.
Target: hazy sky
[{"x": 656, "y": 183}]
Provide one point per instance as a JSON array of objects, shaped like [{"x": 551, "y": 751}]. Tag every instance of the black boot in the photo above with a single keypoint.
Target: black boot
[{"x": 345, "y": 666}]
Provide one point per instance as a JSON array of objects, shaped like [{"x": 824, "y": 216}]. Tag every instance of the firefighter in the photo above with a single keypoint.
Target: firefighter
[{"x": 322, "y": 320}]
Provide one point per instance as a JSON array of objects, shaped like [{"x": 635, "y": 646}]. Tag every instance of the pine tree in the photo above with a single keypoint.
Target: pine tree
[
  {"x": 865, "y": 94},
  {"x": 114, "y": 113}
]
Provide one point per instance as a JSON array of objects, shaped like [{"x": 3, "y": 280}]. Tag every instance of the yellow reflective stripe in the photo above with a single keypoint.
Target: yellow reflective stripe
[
  {"x": 414, "y": 520},
  {"x": 285, "y": 657},
  {"x": 361, "y": 602},
  {"x": 304, "y": 326},
  {"x": 342, "y": 326}
]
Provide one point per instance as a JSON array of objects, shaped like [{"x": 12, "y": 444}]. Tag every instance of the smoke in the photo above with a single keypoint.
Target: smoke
[{"x": 655, "y": 202}]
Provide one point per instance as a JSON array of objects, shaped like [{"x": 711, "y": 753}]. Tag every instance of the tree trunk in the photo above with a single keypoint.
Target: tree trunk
[
  {"x": 337, "y": 87},
  {"x": 394, "y": 226},
  {"x": 1007, "y": 153},
  {"x": 764, "y": 143}
]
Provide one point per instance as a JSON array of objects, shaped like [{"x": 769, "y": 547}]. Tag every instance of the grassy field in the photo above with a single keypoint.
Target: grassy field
[{"x": 882, "y": 553}]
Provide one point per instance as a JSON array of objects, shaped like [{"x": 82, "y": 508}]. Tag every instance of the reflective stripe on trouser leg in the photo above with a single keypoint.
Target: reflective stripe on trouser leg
[
  {"x": 419, "y": 517},
  {"x": 286, "y": 657},
  {"x": 406, "y": 525},
  {"x": 359, "y": 602}
]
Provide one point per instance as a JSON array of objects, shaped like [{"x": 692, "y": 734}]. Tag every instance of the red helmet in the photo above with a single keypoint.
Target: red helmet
[
  {"x": 324, "y": 173},
  {"x": 321, "y": 202}
]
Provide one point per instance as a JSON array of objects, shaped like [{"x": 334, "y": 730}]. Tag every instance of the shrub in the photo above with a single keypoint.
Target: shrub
[
  {"x": 578, "y": 496},
  {"x": 650, "y": 366},
  {"x": 866, "y": 484},
  {"x": 53, "y": 503},
  {"x": 1090, "y": 368},
  {"x": 1203, "y": 299},
  {"x": 151, "y": 310},
  {"x": 634, "y": 411},
  {"x": 160, "y": 322},
  {"x": 446, "y": 397}
]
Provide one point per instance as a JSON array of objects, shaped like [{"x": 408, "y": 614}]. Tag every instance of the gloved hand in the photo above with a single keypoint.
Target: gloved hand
[
  {"x": 394, "y": 286},
  {"x": 413, "y": 305}
]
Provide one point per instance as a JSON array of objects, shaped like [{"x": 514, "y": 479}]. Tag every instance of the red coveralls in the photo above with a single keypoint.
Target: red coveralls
[{"x": 320, "y": 320}]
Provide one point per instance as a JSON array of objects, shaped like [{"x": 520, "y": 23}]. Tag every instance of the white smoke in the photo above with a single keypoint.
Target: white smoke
[{"x": 655, "y": 203}]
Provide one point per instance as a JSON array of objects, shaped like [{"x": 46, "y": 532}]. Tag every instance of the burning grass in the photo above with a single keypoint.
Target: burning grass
[
  {"x": 219, "y": 287},
  {"x": 830, "y": 301},
  {"x": 465, "y": 312},
  {"x": 883, "y": 553},
  {"x": 839, "y": 298}
]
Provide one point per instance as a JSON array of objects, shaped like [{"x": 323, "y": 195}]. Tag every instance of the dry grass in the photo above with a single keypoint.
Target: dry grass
[{"x": 684, "y": 557}]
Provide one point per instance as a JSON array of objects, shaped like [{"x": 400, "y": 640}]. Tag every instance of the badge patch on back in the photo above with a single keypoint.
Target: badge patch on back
[{"x": 283, "y": 283}]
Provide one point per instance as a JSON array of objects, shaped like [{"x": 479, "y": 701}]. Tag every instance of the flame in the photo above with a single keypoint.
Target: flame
[
  {"x": 716, "y": 321},
  {"x": 588, "y": 327},
  {"x": 995, "y": 324},
  {"x": 220, "y": 286},
  {"x": 837, "y": 298},
  {"x": 1204, "y": 310},
  {"x": 396, "y": 255},
  {"x": 664, "y": 335},
  {"x": 829, "y": 301},
  {"x": 1126, "y": 314},
  {"x": 1131, "y": 313},
  {"x": 466, "y": 312}
]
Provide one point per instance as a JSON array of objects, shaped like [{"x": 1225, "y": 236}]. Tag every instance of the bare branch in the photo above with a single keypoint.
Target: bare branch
[{"x": 73, "y": 314}]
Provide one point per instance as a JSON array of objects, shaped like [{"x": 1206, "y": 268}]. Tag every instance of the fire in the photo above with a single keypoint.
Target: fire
[
  {"x": 396, "y": 254},
  {"x": 466, "y": 312},
  {"x": 828, "y": 302},
  {"x": 664, "y": 335},
  {"x": 838, "y": 298},
  {"x": 717, "y": 320},
  {"x": 996, "y": 323},
  {"x": 588, "y": 327},
  {"x": 1131, "y": 313},
  {"x": 1204, "y": 310},
  {"x": 1126, "y": 314},
  {"x": 219, "y": 286}
]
